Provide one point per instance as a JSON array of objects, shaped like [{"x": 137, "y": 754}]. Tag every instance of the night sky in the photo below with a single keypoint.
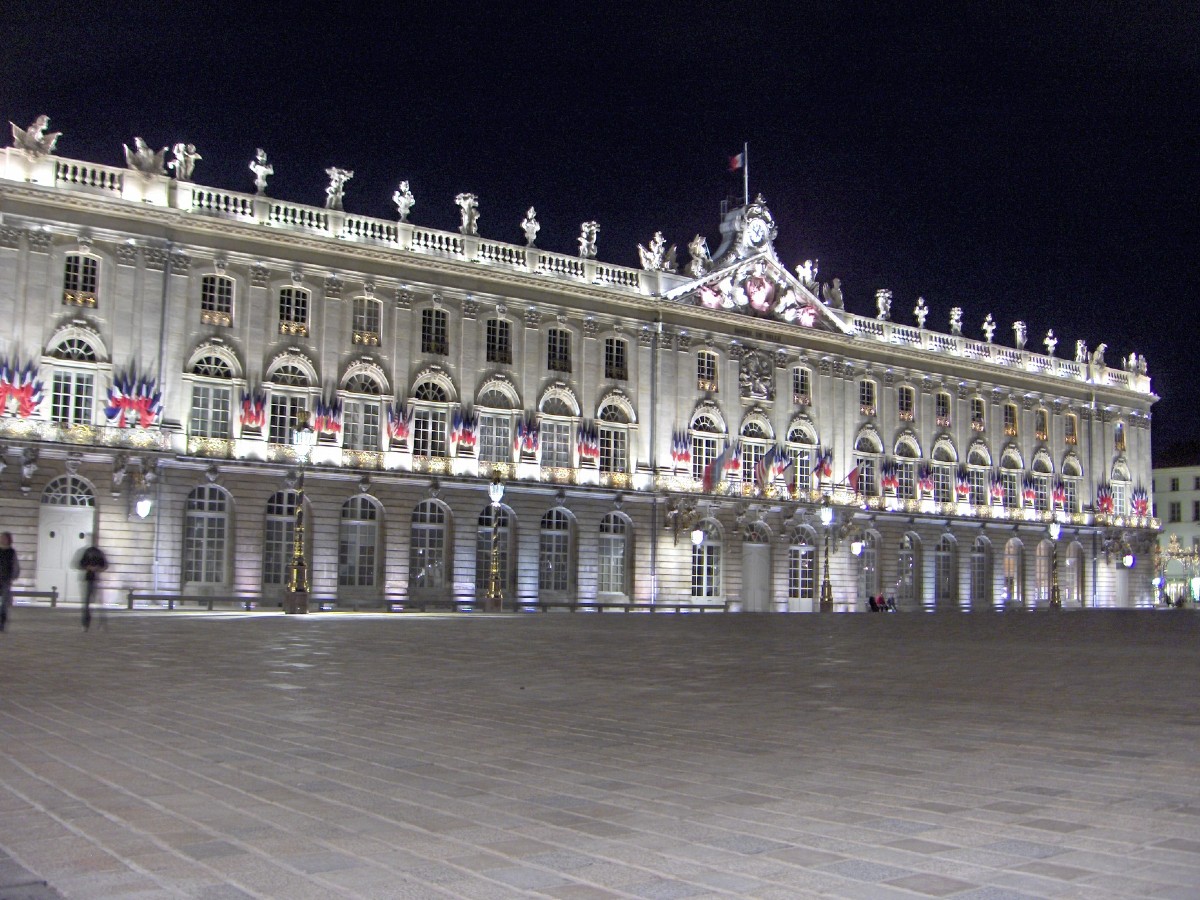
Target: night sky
[{"x": 1034, "y": 164}]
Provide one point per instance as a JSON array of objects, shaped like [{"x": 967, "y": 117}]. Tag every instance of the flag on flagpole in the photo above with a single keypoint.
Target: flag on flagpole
[
  {"x": 852, "y": 479},
  {"x": 737, "y": 161}
]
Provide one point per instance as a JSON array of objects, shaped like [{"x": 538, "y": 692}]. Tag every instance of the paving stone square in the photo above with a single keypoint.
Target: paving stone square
[{"x": 981, "y": 755}]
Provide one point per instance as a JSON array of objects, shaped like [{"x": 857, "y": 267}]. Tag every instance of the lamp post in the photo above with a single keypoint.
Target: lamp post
[
  {"x": 1055, "y": 598},
  {"x": 826, "y": 586},
  {"x": 303, "y": 440},
  {"x": 495, "y": 592}
]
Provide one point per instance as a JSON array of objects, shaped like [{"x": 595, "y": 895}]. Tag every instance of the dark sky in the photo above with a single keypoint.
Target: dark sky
[{"x": 1032, "y": 163}]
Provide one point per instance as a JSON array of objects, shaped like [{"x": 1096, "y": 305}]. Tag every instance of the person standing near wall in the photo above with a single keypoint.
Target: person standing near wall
[
  {"x": 10, "y": 571},
  {"x": 93, "y": 562}
]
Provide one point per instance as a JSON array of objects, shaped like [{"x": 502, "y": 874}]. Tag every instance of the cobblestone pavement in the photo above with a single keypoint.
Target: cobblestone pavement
[{"x": 571, "y": 755}]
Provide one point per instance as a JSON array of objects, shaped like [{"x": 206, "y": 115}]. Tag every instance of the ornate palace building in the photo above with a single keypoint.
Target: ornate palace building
[{"x": 180, "y": 361}]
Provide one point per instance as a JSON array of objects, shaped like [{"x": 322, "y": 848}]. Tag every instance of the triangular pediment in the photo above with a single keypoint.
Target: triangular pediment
[{"x": 759, "y": 286}]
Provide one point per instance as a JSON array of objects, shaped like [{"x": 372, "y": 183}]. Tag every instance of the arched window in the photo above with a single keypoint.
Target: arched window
[
  {"x": 1014, "y": 571},
  {"x": 615, "y": 352},
  {"x": 289, "y": 408},
  {"x": 1010, "y": 478},
  {"x": 867, "y": 451},
  {"x": 293, "y": 311},
  {"x": 434, "y": 332},
  {"x": 362, "y": 413},
  {"x": 870, "y": 578},
  {"x": 68, "y": 490},
  {"x": 430, "y": 418},
  {"x": 1042, "y": 571},
  {"x": 801, "y": 446},
  {"x": 906, "y": 403},
  {"x": 559, "y": 414},
  {"x": 1072, "y": 474},
  {"x": 616, "y": 558},
  {"x": 705, "y": 432},
  {"x": 81, "y": 280},
  {"x": 212, "y": 398},
  {"x": 866, "y": 397},
  {"x": 216, "y": 300},
  {"x": 945, "y": 571},
  {"x": 1120, "y": 489},
  {"x": 908, "y": 561},
  {"x": 1043, "y": 472},
  {"x": 206, "y": 536},
  {"x": 278, "y": 537},
  {"x": 368, "y": 321},
  {"x": 495, "y": 409},
  {"x": 942, "y": 403},
  {"x": 613, "y": 426},
  {"x": 706, "y": 371},
  {"x": 755, "y": 442},
  {"x": 979, "y": 461},
  {"x": 358, "y": 543},
  {"x": 73, "y": 385},
  {"x": 981, "y": 573},
  {"x": 495, "y": 524},
  {"x": 429, "y": 552},
  {"x": 555, "y": 553},
  {"x": 945, "y": 457},
  {"x": 802, "y": 567},
  {"x": 1070, "y": 579},
  {"x": 706, "y": 562}
]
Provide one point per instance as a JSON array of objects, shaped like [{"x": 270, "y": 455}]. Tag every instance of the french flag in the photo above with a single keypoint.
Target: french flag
[{"x": 736, "y": 162}]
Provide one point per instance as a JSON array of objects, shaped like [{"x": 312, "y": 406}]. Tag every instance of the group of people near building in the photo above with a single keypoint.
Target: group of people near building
[
  {"x": 91, "y": 562},
  {"x": 878, "y": 604}
]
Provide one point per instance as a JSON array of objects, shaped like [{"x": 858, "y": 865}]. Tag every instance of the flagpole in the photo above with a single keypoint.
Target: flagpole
[{"x": 746, "y": 173}]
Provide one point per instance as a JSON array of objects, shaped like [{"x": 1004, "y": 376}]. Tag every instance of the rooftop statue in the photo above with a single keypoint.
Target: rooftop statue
[
  {"x": 832, "y": 294},
  {"x": 34, "y": 140},
  {"x": 1097, "y": 368},
  {"x": 184, "y": 161},
  {"x": 530, "y": 226},
  {"x": 337, "y": 186},
  {"x": 588, "y": 232},
  {"x": 700, "y": 261},
  {"x": 807, "y": 274},
  {"x": 1020, "y": 334},
  {"x": 989, "y": 327},
  {"x": 921, "y": 311},
  {"x": 262, "y": 170},
  {"x": 404, "y": 200},
  {"x": 956, "y": 320},
  {"x": 1081, "y": 352},
  {"x": 1051, "y": 342},
  {"x": 657, "y": 258},
  {"x": 468, "y": 207},
  {"x": 144, "y": 160},
  {"x": 883, "y": 301}
]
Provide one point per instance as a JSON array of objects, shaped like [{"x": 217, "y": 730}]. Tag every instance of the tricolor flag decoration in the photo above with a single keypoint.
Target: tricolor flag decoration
[
  {"x": 399, "y": 422},
  {"x": 1060, "y": 492},
  {"x": 737, "y": 161},
  {"x": 852, "y": 479},
  {"x": 587, "y": 441},
  {"x": 823, "y": 463},
  {"x": 889, "y": 475},
  {"x": 327, "y": 417},
  {"x": 733, "y": 459},
  {"x": 22, "y": 385},
  {"x": 962, "y": 483},
  {"x": 254, "y": 408},
  {"x": 925, "y": 479},
  {"x": 681, "y": 449},
  {"x": 133, "y": 400},
  {"x": 714, "y": 472},
  {"x": 771, "y": 466},
  {"x": 1104, "y": 500},
  {"x": 464, "y": 426},
  {"x": 527, "y": 437},
  {"x": 1139, "y": 500},
  {"x": 997, "y": 486},
  {"x": 1028, "y": 490}
]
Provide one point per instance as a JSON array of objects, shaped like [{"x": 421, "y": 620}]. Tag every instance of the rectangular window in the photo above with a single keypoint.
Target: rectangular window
[
  {"x": 802, "y": 464},
  {"x": 558, "y": 350},
  {"x": 706, "y": 371},
  {"x": 943, "y": 484},
  {"x": 1071, "y": 495},
  {"x": 801, "y": 387},
  {"x": 1196, "y": 483},
  {"x": 1174, "y": 484},
  {"x": 802, "y": 564},
  {"x": 356, "y": 554},
  {"x": 495, "y": 438},
  {"x": 1196, "y": 510},
  {"x": 942, "y": 410},
  {"x": 1175, "y": 513},
  {"x": 293, "y": 311},
  {"x": 704, "y": 451},
  {"x": 907, "y": 482},
  {"x": 614, "y": 449},
  {"x": 1010, "y": 419},
  {"x": 1071, "y": 429},
  {"x": 867, "y": 483},
  {"x": 1011, "y": 483},
  {"x": 1041, "y": 492},
  {"x": 614, "y": 359},
  {"x": 433, "y": 332},
  {"x": 554, "y": 438},
  {"x": 1041, "y": 426},
  {"x": 751, "y": 454},
  {"x": 216, "y": 300},
  {"x": 977, "y": 478},
  {"x": 429, "y": 432},
  {"x": 554, "y": 561},
  {"x": 499, "y": 342},
  {"x": 286, "y": 414},
  {"x": 360, "y": 425},
  {"x": 1120, "y": 498},
  {"x": 611, "y": 576},
  {"x": 977, "y": 410},
  {"x": 71, "y": 400},
  {"x": 706, "y": 570},
  {"x": 367, "y": 321},
  {"x": 81, "y": 277},
  {"x": 210, "y": 411},
  {"x": 906, "y": 403},
  {"x": 277, "y": 549},
  {"x": 866, "y": 397}
]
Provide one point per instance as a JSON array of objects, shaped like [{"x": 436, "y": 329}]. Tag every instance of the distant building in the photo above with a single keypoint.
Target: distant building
[
  {"x": 716, "y": 432},
  {"x": 1177, "y": 502}
]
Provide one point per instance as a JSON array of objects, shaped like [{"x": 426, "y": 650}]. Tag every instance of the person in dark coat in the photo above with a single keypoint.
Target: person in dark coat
[
  {"x": 10, "y": 571},
  {"x": 93, "y": 562}
]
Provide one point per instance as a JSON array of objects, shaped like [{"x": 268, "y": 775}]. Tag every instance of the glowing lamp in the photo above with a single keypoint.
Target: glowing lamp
[
  {"x": 856, "y": 547},
  {"x": 697, "y": 537},
  {"x": 1055, "y": 531},
  {"x": 1128, "y": 560},
  {"x": 826, "y": 515}
]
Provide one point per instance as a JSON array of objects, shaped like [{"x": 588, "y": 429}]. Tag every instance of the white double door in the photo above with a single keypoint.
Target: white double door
[{"x": 64, "y": 532}]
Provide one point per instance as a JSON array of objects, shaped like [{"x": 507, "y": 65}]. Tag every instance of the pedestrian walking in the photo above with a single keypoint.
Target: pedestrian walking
[
  {"x": 93, "y": 562},
  {"x": 10, "y": 571}
]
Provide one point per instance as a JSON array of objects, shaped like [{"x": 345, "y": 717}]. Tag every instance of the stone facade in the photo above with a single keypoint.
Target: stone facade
[{"x": 171, "y": 336}]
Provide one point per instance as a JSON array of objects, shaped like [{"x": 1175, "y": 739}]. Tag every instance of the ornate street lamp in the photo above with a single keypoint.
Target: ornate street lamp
[
  {"x": 495, "y": 592},
  {"x": 826, "y": 586},
  {"x": 304, "y": 438},
  {"x": 1055, "y": 598}
]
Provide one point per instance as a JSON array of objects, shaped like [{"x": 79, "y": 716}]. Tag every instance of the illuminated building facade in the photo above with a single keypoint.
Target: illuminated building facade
[{"x": 720, "y": 432}]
